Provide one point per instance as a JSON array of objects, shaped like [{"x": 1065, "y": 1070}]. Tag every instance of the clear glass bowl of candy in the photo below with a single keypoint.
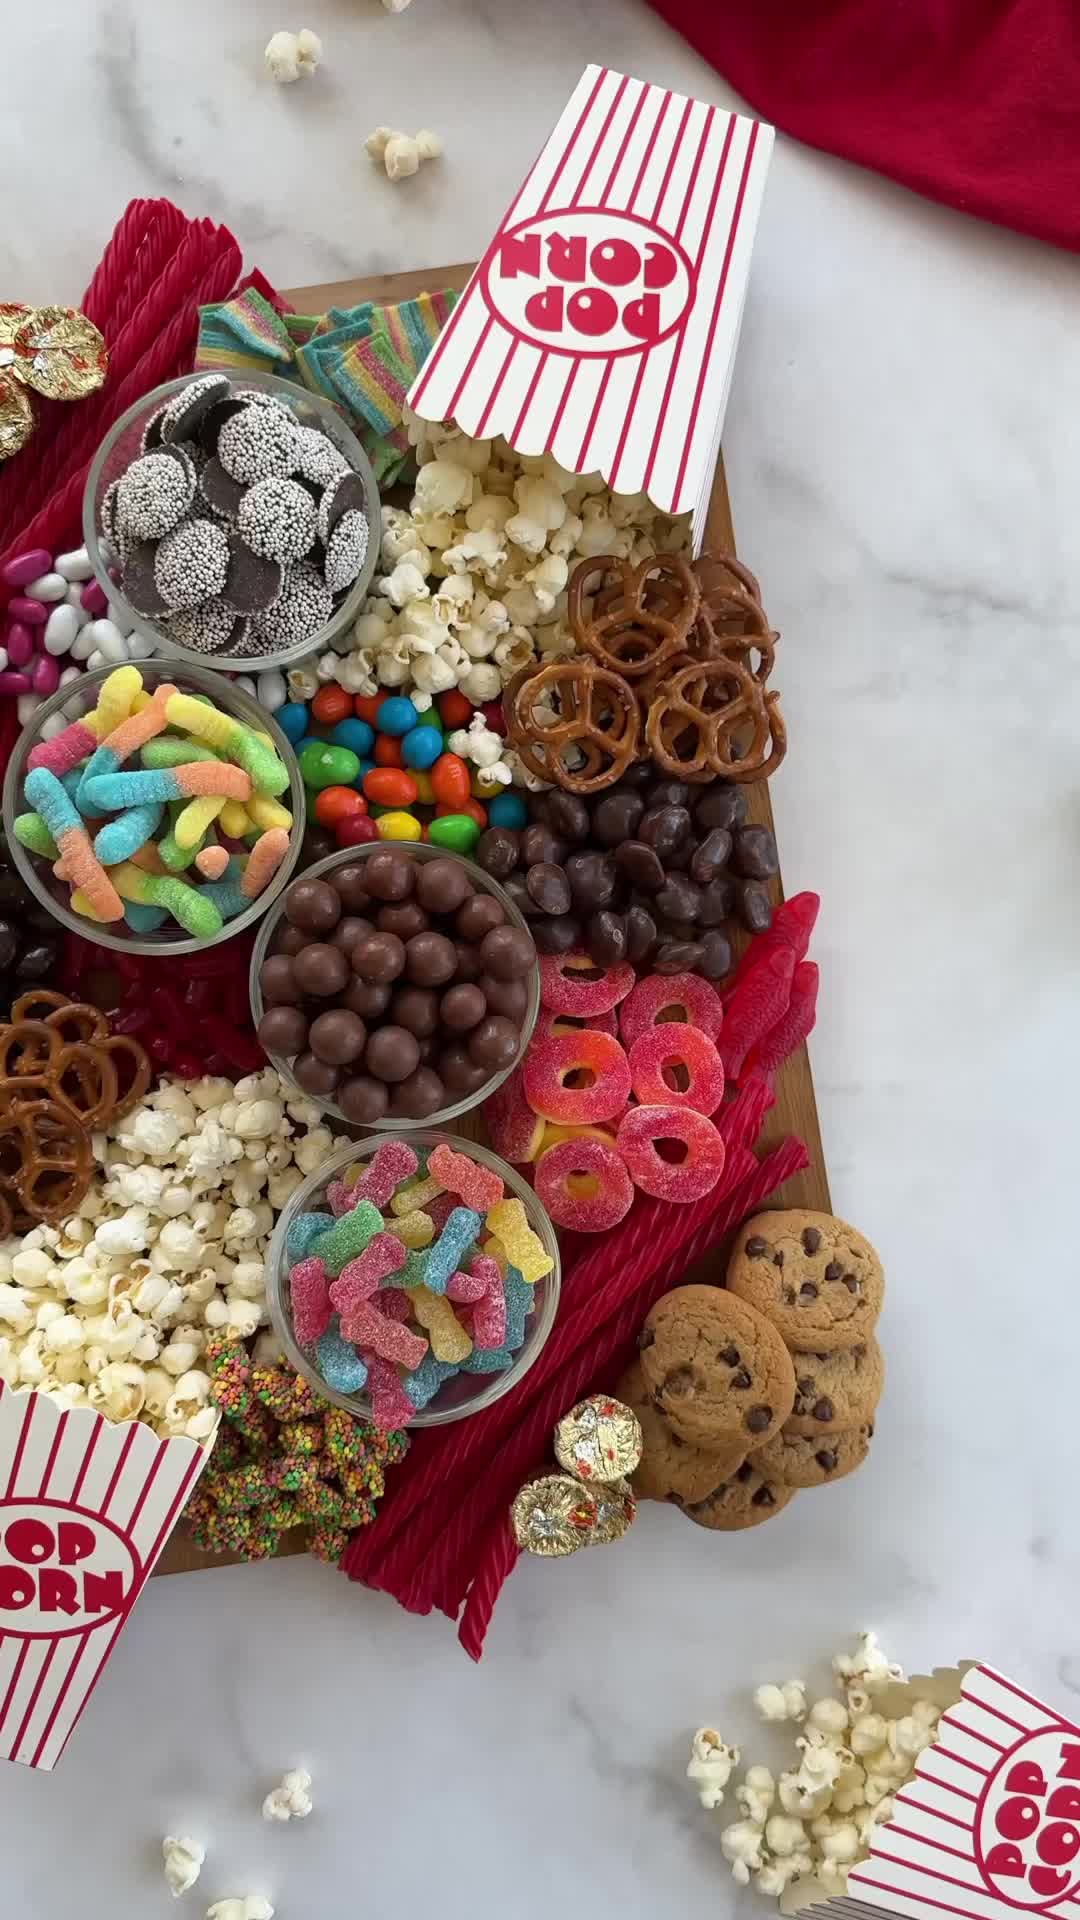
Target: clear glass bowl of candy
[
  {"x": 233, "y": 521},
  {"x": 170, "y": 800},
  {"x": 395, "y": 984},
  {"x": 414, "y": 1279}
]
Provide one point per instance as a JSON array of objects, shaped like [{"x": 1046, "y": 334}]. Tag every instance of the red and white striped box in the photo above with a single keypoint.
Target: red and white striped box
[
  {"x": 991, "y": 1822},
  {"x": 85, "y": 1509},
  {"x": 602, "y": 322}
]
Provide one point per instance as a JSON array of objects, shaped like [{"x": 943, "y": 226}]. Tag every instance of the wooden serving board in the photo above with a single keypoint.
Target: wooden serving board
[{"x": 795, "y": 1110}]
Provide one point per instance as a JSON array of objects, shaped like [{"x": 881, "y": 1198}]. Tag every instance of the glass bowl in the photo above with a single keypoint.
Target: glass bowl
[
  {"x": 483, "y": 883},
  {"x": 464, "y": 1393},
  {"x": 79, "y": 697},
  {"x": 122, "y": 444}
]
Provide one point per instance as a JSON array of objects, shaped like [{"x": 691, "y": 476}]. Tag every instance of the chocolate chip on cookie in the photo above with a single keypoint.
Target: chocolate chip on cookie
[
  {"x": 817, "y": 1279},
  {"x": 747, "y": 1499},
  {"x": 838, "y": 1389},
  {"x": 716, "y": 1368},
  {"x": 670, "y": 1469},
  {"x": 807, "y": 1460}
]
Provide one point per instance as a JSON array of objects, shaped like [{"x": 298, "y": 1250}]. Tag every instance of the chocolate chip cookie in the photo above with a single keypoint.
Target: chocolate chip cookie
[
  {"x": 838, "y": 1389},
  {"x": 669, "y": 1468},
  {"x": 800, "y": 1460},
  {"x": 817, "y": 1279},
  {"x": 718, "y": 1371},
  {"x": 745, "y": 1500}
]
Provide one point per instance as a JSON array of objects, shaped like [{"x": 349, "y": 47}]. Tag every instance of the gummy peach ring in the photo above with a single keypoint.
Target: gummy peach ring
[
  {"x": 639, "y": 1138},
  {"x": 573, "y": 983},
  {"x": 584, "y": 1185},
  {"x": 659, "y": 1053},
  {"x": 671, "y": 996},
  {"x": 548, "y": 1068}
]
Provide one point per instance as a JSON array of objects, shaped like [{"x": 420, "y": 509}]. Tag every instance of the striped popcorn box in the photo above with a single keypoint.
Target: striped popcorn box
[
  {"x": 85, "y": 1509},
  {"x": 991, "y": 1822},
  {"x": 602, "y": 322}
]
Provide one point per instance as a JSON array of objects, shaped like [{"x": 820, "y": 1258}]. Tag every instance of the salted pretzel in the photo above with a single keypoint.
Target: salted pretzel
[
  {"x": 45, "y": 1159},
  {"x": 712, "y": 720},
  {"x": 596, "y": 735},
  {"x": 633, "y": 620},
  {"x": 62, "y": 1077},
  {"x": 732, "y": 623}
]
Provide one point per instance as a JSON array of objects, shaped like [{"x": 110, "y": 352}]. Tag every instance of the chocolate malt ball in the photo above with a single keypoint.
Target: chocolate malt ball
[
  {"x": 312, "y": 905},
  {"x": 320, "y": 969},
  {"x": 392, "y": 1053},
  {"x": 379, "y": 957},
  {"x": 283, "y": 1030},
  {"x": 363, "y": 1100},
  {"x": 338, "y": 1037}
]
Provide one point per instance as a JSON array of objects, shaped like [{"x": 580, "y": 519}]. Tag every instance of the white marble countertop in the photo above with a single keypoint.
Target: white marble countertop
[{"x": 898, "y": 452}]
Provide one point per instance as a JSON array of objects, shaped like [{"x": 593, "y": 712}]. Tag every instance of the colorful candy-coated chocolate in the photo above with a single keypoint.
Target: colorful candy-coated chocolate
[
  {"x": 388, "y": 751},
  {"x": 455, "y": 709},
  {"x": 672, "y": 1049},
  {"x": 637, "y": 1140},
  {"x": 337, "y": 803},
  {"x": 399, "y": 826},
  {"x": 548, "y": 1066},
  {"x": 584, "y": 1185},
  {"x": 508, "y": 810},
  {"x": 354, "y": 830},
  {"x": 322, "y": 765},
  {"x": 672, "y": 996},
  {"x": 366, "y": 706},
  {"x": 450, "y": 780},
  {"x": 389, "y": 787},
  {"x": 331, "y": 704},
  {"x": 421, "y": 747},
  {"x": 395, "y": 715},
  {"x": 292, "y": 718},
  {"x": 354, "y": 734},
  {"x": 454, "y": 831}
]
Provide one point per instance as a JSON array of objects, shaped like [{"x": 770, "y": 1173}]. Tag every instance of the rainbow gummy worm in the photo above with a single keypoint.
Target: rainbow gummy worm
[
  {"x": 219, "y": 730},
  {"x": 196, "y": 914},
  {"x": 108, "y": 792},
  {"x": 61, "y": 817}
]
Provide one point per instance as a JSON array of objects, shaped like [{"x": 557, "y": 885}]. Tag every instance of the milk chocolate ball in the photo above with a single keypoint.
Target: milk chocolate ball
[
  {"x": 389, "y": 875},
  {"x": 320, "y": 969},
  {"x": 442, "y": 885},
  {"x": 392, "y": 1054},
  {"x": 509, "y": 997},
  {"x": 289, "y": 939},
  {"x": 462, "y": 1007},
  {"x": 363, "y": 1099},
  {"x": 277, "y": 981},
  {"x": 348, "y": 931},
  {"x": 404, "y": 919},
  {"x": 468, "y": 960},
  {"x": 314, "y": 1075},
  {"x": 494, "y": 1043},
  {"x": 350, "y": 884},
  {"x": 430, "y": 959},
  {"x": 462, "y": 1075},
  {"x": 379, "y": 957},
  {"x": 508, "y": 952},
  {"x": 283, "y": 1030},
  {"x": 416, "y": 1009},
  {"x": 478, "y": 916},
  {"x": 421, "y": 1095},
  {"x": 368, "y": 998},
  {"x": 338, "y": 1037},
  {"x": 312, "y": 905}
]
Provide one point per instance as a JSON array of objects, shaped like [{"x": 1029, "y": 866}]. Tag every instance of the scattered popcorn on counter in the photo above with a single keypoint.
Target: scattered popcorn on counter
[
  {"x": 800, "y": 1833},
  {"x": 288, "y": 56},
  {"x": 401, "y": 153},
  {"x": 183, "y": 1861},
  {"x": 473, "y": 577},
  {"x": 251, "y": 1906},
  {"x": 113, "y": 1308},
  {"x": 292, "y": 1800}
]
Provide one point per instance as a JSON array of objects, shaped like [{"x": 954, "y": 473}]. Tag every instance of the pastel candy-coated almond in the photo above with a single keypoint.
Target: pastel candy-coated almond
[
  {"x": 22, "y": 568},
  {"x": 75, "y": 565},
  {"x": 19, "y": 641},
  {"x": 47, "y": 588},
  {"x": 31, "y": 612},
  {"x": 61, "y": 629}
]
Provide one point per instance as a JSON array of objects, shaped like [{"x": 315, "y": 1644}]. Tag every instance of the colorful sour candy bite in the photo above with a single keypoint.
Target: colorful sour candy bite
[
  {"x": 549, "y": 1066},
  {"x": 339, "y": 1363},
  {"x": 347, "y": 1237},
  {"x": 445, "y": 1255},
  {"x": 391, "y": 1164},
  {"x": 415, "y": 1193},
  {"x": 303, "y": 1231},
  {"x": 668, "y": 997},
  {"x": 357, "y": 1281},
  {"x": 584, "y": 1185},
  {"x": 449, "y": 1340},
  {"x": 554, "y": 1135},
  {"x": 514, "y": 1130},
  {"x": 572, "y": 983},
  {"x": 638, "y": 1139},
  {"x": 662, "y": 1053},
  {"x": 518, "y": 1292},
  {"x": 263, "y": 862},
  {"x": 32, "y": 833},
  {"x": 424, "y": 1382},
  {"x": 478, "y": 1186},
  {"x": 509, "y": 1223},
  {"x": 381, "y": 1333},
  {"x": 439, "y": 1209},
  {"x": 415, "y": 1230},
  {"x": 390, "y": 1405},
  {"x": 310, "y": 1295}
]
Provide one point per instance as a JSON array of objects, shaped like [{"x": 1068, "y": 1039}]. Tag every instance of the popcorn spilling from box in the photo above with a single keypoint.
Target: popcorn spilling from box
[{"x": 949, "y": 1792}]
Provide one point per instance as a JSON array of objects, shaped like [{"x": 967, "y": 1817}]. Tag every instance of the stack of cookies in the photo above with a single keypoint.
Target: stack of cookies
[{"x": 749, "y": 1393}]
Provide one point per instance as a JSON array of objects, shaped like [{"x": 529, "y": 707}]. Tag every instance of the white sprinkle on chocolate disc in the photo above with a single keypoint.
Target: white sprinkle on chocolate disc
[
  {"x": 258, "y": 444},
  {"x": 319, "y": 459},
  {"x": 346, "y": 550},
  {"x": 186, "y": 409},
  {"x": 206, "y": 629},
  {"x": 191, "y": 563},
  {"x": 343, "y": 494},
  {"x": 154, "y": 494},
  {"x": 304, "y": 606},
  {"x": 277, "y": 519}
]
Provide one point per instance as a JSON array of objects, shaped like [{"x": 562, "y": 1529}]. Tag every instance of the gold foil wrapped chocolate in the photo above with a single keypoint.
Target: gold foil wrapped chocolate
[
  {"x": 55, "y": 351},
  {"x": 616, "y": 1510},
  {"x": 599, "y": 1439},
  {"x": 554, "y": 1516}
]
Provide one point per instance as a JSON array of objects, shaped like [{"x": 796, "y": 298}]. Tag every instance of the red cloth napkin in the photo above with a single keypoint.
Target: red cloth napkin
[{"x": 972, "y": 102}]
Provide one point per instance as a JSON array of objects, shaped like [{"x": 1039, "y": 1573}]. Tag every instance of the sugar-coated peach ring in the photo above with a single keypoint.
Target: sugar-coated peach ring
[
  {"x": 573, "y": 983},
  {"x": 549, "y": 1066},
  {"x": 514, "y": 1130},
  {"x": 584, "y": 1185},
  {"x": 549, "y": 1022},
  {"x": 669, "y": 997},
  {"x": 656, "y": 1057},
  {"x": 639, "y": 1138}
]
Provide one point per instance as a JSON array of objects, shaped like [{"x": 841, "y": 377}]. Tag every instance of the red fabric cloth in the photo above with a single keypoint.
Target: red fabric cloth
[{"x": 972, "y": 102}]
